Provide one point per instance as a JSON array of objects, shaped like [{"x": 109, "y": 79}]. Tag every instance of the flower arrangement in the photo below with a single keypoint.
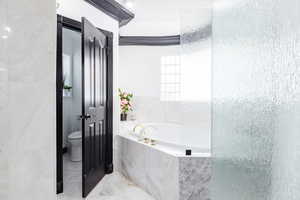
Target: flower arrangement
[
  {"x": 125, "y": 99},
  {"x": 66, "y": 86},
  {"x": 67, "y": 89}
]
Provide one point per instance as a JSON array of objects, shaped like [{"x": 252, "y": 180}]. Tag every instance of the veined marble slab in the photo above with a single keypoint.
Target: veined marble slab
[
  {"x": 163, "y": 175},
  {"x": 27, "y": 99},
  {"x": 194, "y": 178},
  {"x": 112, "y": 187}
]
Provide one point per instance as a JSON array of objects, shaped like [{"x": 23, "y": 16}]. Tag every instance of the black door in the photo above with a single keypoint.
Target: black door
[{"x": 94, "y": 118}]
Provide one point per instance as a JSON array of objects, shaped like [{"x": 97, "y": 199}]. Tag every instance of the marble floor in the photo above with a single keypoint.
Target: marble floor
[{"x": 112, "y": 187}]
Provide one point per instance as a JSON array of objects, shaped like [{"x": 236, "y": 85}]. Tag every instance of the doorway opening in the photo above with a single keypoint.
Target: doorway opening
[{"x": 84, "y": 106}]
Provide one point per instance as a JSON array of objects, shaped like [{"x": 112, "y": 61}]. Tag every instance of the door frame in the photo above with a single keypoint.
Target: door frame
[{"x": 64, "y": 22}]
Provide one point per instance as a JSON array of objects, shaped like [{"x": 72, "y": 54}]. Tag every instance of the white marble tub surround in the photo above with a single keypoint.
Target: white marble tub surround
[
  {"x": 162, "y": 170},
  {"x": 152, "y": 170},
  {"x": 194, "y": 186}
]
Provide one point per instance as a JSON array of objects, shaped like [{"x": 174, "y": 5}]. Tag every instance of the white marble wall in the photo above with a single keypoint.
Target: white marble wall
[
  {"x": 164, "y": 176},
  {"x": 27, "y": 99}
]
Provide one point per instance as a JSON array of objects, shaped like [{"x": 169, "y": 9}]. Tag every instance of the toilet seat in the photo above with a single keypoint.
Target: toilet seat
[{"x": 75, "y": 135}]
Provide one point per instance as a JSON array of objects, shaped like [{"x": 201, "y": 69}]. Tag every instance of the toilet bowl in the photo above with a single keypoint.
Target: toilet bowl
[{"x": 75, "y": 146}]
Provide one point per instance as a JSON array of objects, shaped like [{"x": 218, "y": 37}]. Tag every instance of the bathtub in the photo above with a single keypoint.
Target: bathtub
[
  {"x": 173, "y": 138},
  {"x": 164, "y": 170}
]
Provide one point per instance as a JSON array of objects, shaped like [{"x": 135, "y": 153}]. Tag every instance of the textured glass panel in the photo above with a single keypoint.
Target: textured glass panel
[
  {"x": 256, "y": 116},
  {"x": 195, "y": 76}
]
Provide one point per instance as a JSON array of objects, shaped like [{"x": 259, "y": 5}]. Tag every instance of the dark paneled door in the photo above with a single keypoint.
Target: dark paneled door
[{"x": 94, "y": 94}]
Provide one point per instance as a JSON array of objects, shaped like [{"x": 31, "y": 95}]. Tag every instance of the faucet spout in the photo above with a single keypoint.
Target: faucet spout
[
  {"x": 142, "y": 133},
  {"x": 138, "y": 126}
]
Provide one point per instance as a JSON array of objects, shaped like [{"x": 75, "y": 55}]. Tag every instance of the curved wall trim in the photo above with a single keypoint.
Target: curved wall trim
[
  {"x": 197, "y": 34},
  {"x": 113, "y": 9},
  {"x": 188, "y": 37},
  {"x": 149, "y": 40}
]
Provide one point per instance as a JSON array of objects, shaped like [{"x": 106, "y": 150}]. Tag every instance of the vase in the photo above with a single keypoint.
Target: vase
[
  {"x": 123, "y": 117},
  {"x": 67, "y": 93}
]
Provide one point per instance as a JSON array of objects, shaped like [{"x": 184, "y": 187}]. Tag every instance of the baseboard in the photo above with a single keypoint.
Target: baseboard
[
  {"x": 59, "y": 187},
  {"x": 109, "y": 168}
]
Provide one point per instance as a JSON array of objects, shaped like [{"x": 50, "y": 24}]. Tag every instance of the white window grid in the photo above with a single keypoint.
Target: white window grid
[{"x": 170, "y": 78}]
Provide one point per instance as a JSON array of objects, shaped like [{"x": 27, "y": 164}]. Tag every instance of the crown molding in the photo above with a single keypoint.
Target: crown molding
[{"x": 114, "y": 10}]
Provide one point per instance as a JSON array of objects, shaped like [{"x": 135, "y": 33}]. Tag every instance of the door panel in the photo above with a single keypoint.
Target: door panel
[{"x": 94, "y": 120}]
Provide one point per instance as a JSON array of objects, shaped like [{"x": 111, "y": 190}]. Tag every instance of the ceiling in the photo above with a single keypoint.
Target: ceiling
[{"x": 167, "y": 17}]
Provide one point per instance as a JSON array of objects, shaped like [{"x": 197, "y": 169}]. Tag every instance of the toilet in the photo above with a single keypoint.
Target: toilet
[{"x": 75, "y": 146}]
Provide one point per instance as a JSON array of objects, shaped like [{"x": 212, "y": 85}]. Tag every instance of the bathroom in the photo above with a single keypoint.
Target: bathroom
[
  {"x": 182, "y": 112},
  {"x": 165, "y": 74},
  {"x": 149, "y": 100},
  {"x": 72, "y": 109},
  {"x": 72, "y": 86},
  {"x": 169, "y": 119}
]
